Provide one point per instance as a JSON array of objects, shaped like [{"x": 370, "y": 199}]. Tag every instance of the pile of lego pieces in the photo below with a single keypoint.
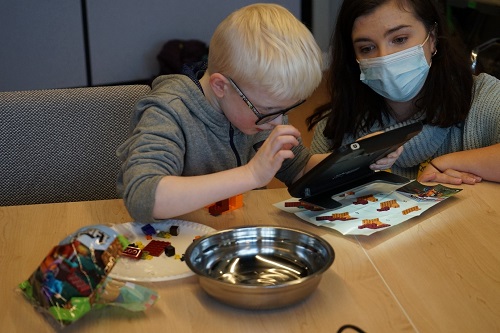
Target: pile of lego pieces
[{"x": 154, "y": 248}]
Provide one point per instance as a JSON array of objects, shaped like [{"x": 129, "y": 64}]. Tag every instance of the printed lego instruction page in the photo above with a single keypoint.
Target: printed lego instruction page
[{"x": 371, "y": 208}]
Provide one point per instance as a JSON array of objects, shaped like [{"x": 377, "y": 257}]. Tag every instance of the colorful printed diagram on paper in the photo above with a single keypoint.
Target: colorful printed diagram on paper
[{"x": 371, "y": 208}]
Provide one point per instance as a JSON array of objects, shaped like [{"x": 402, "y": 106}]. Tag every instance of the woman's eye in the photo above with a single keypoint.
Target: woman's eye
[
  {"x": 366, "y": 49},
  {"x": 400, "y": 40}
]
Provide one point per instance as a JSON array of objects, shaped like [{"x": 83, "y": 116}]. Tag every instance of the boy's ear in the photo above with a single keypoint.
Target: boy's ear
[{"x": 218, "y": 82}]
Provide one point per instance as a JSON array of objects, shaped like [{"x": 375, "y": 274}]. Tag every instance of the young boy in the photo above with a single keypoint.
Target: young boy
[{"x": 220, "y": 130}]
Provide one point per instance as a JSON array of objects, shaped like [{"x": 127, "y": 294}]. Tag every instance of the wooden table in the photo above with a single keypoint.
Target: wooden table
[{"x": 439, "y": 272}]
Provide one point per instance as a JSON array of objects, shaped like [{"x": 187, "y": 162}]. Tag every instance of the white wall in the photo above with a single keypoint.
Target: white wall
[
  {"x": 125, "y": 34},
  {"x": 324, "y": 19},
  {"x": 42, "y": 45}
]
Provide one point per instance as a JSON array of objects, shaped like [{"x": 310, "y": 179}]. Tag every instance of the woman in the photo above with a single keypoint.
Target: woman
[{"x": 393, "y": 63}]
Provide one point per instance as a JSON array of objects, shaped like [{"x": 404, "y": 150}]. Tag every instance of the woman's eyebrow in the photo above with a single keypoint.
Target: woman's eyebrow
[
  {"x": 387, "y": 33},
  {"x": 361, "y": 39},
  {"x": 395, "y": 29}
]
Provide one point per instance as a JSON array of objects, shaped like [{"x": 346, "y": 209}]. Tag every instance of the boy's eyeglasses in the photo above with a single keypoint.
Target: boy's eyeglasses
[{"x": 262, "y": 118}]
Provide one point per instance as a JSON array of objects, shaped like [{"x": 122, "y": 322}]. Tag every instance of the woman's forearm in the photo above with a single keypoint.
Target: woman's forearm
[{"x": 483, "y": 162}]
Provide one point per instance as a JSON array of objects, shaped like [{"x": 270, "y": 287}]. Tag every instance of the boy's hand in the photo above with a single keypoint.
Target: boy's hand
[
  {"x": 269, "y": 158},
  {"x": 387, "y": 162}
]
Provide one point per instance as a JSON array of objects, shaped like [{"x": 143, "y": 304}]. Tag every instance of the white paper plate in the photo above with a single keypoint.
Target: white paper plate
[{"x": 160, "y": 268}]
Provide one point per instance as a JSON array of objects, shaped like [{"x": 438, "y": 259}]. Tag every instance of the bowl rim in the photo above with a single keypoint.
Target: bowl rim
[{"x": 328, "y": 247}]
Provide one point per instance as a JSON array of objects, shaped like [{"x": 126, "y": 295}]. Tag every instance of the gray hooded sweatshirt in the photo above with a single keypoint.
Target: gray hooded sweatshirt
[{"x": 175, "y": 131}]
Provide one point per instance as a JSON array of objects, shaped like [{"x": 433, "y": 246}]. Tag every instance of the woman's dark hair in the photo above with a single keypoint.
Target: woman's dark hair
[{"x": 445, "y": 98}]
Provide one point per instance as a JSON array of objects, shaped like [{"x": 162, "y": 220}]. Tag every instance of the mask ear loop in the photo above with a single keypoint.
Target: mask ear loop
[{"x": 434, "y": 30}]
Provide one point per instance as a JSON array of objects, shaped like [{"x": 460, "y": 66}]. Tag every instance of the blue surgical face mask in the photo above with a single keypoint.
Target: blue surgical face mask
[{"x": 399, "y": 76}]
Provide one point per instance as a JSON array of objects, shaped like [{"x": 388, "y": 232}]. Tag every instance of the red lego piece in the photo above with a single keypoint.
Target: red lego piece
[
  {"x": 132, "y": 252},
  {"x": 156, "y": 247},
  {"x": 226, "y": 205},
  {"x": 219, "y": 207}
]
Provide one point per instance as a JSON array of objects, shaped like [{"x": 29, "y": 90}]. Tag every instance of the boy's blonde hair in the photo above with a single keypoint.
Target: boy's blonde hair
[{"x": 265, "y": 46}]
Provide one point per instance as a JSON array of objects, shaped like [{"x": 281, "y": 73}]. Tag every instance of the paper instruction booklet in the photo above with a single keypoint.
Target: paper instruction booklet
[{"x": 371, "y": 208}]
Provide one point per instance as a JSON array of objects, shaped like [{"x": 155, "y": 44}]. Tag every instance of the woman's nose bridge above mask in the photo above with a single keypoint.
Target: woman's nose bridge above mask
[{"x": 383, "y": 50}]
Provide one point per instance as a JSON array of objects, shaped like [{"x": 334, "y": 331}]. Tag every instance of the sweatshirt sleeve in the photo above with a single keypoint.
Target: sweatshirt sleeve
[
  {"x": 292, "y": 167},
  {"x": 320, "y": 144},
  {"x": 154, "y": 149},
  {"x": 482, "y": 127}
]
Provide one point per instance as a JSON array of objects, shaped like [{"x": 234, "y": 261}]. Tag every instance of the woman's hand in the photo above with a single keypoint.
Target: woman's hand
[
  {"x": 448, "y": 176},
  {"x": 387, "y": 162}
]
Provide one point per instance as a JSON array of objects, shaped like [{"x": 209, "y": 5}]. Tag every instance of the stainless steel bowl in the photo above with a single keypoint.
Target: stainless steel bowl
[{"x": 259, "y": 267}]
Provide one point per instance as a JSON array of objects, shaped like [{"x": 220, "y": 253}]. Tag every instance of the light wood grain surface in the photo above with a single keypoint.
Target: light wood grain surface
[{"x": 439, "y": 272}]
